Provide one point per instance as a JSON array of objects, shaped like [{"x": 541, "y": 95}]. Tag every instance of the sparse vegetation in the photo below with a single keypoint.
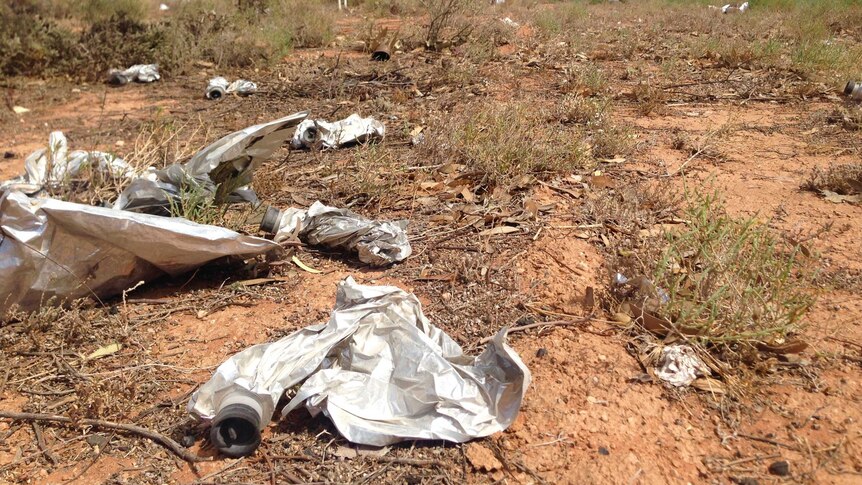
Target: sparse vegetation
[
  {"x": 724, "y": 283},
  {"x": 506, "y": 141},
  {"x": 36, "y": 38}
]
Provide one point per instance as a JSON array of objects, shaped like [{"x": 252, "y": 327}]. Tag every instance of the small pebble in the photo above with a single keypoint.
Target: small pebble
[
  {"x": 541, "y": 352},
  {"x": 9, "y": 155},
  {"x": 780, "y": 468},
  {"x": 604, "y": 451}
]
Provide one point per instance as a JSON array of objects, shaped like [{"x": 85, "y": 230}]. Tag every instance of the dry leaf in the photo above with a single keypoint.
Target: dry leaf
[
  {"x": 303, "y": 267},
  {"x": 104, "y": 351},
  {"x": 708, "y": 384},
  {"x": 499, "y": 230},
  {"x": 789, "y": 347},
  {"x": 531, "y": 208},
  {"x": 622, "y": 318},
  {"x": 257, "y": 281},
  {"x": 442, "y": 218},
  {"x": 467, "y": 194},
  {"x": 602, "y": 182}
]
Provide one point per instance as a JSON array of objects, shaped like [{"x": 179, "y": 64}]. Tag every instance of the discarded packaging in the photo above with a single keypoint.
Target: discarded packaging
[
  {"x": 377, "y": 243},
  {"x": 351, "y": 130},
  {"x": 226, "y": 165},
  {"x": 731, "y": 8},
  {"x": 54, "y": 166},
  {"x": 219, "y": 86},
  {"x": 378, "y": 369},
  {"x": 679, "y": 365},
  {"x": 55, "y": 249},
  {"x": 142, "y": 73},
  {"x": 510, "y": 23},
  {"x": 853, "y": 90}
]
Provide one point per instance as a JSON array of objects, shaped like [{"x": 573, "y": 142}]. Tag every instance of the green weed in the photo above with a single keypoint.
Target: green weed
[{"x": 729, "y": 281}]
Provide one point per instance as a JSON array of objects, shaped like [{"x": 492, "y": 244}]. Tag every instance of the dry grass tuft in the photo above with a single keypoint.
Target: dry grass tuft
[
  {"x": 505, "y": 141},
  {"x": 842, "y": 179}
]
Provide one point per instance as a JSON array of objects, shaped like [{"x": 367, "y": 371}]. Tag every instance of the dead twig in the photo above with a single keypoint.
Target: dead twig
[
  {"x": 555, "y": 323},
  {"x": 40, "y": 442},
  {"x": 749, "y": 459},
  {"x": 769, "y": 441},
  {"x": 161, "y": 439},
  {"x": 578, "y": 272}
]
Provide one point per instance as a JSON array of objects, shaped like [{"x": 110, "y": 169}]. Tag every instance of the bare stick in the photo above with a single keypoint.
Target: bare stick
[
  {"x": 159, "y": 438},
  {"x": 767, "y": 440},
  {"x": 750, "y": 458},
  {"x": 40, "y": 441},
  {"x": 555, "y": 323}
]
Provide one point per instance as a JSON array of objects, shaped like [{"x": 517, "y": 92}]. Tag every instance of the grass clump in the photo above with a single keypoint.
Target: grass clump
[
  {"x": 727, "y": 282},
  {"x": 505, "y": 141},
  {"x": 842, "y": 179}
]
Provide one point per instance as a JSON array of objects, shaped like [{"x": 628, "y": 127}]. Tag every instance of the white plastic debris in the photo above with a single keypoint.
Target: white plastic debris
[
  {"x": 730, "y": 8},
  {"x": 680, "y": 365},
  {"x": 510, "y": 23},
  {"x": 19, "y": 110},
  {"x": 351, "y": 130},
  {"x": 163, "y": 7},
  {"x": 377, "y": 243},
  {"x": 53, "y": 166},
  {"x": 142, "y": 73},
  {"x": 378, "y": 369},
  {"x": 230, "y": 160},
  {"x": 219, "y": 86},
  {"x": 55, "y": 249}
]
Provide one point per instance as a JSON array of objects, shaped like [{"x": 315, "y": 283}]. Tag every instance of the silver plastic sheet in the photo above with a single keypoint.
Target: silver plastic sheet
[
  {"x": 377, "y": 243},
  {"x": 351, "y": 130},
  {"x": 142, "y": 73},
  {"x": 54, "y": 166},
  {"x": 380, "y": 371},
  {"x": 219, "y": 86},
  {"x": 50, "y": 248},
  {"x": 231, "y": 159}
]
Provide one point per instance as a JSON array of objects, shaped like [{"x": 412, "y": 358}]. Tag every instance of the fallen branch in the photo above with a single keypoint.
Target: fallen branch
[{"x": 161, "y": 439}]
